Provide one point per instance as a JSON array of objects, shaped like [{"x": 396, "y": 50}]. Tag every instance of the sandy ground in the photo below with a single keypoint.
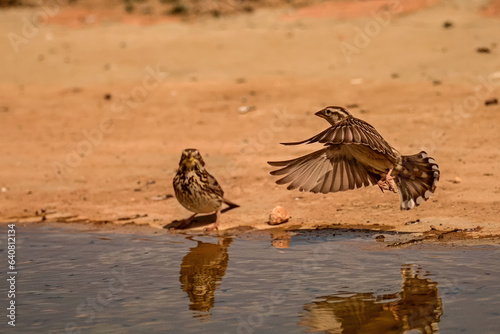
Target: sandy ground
[{"x": 94, "y": 117}]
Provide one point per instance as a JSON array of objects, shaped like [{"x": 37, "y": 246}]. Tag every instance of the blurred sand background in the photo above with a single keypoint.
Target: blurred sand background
[{"x": 97, "y": 103}]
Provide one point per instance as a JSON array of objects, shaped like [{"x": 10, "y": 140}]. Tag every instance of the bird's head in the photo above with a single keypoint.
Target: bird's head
[
  {"x": 190, "y": 159},
  {"x": 333, "y": 114}
]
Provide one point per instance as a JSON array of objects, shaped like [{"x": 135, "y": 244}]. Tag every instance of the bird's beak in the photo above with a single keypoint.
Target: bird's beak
[
  {"x": 320, "y": 114},
  {"x": 192, "y": 159}
]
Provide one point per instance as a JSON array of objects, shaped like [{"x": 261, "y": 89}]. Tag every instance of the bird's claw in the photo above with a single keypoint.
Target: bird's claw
[
  {"x": 387, "y": 185},
  {"x": 212, "y": 228},
  {"x": 392, "y": 185},
  {"x": 383, "y": 185}
]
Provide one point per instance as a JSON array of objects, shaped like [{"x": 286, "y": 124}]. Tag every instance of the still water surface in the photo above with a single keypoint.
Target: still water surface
[{"x": 326, "y": 282}]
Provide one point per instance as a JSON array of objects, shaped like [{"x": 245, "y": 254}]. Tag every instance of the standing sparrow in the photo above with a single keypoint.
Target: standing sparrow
[
  {"x": 355, "y": 156},
  {"x": 196, "y": 189}
]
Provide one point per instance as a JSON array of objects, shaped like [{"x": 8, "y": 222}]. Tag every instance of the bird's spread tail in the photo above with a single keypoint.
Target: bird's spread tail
[{"x": 418, "y": 179}]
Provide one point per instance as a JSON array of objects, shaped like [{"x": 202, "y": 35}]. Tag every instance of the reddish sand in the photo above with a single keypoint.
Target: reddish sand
[{"x": 94, "y": 119}]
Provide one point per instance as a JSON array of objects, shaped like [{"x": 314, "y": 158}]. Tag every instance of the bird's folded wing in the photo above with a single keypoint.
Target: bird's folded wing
[
  {"x": 213, "y": 186},
  {"x": 331, "y": 169},
  {"x": 350, "y": 131}
]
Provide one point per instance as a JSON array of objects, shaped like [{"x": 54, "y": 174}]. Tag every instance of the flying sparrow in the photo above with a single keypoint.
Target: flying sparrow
[
  {"x": 355, "y": 156},
  {"x": 196, "y": 189}
]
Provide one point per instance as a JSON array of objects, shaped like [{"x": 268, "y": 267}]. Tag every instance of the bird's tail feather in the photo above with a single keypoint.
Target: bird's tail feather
[
  {"x": 418, "y": 179},
  {"x": 231, "y": 205}
]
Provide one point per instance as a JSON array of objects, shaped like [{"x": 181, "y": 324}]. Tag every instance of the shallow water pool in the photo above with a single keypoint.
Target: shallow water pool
[{"x": 326, "y": 281}]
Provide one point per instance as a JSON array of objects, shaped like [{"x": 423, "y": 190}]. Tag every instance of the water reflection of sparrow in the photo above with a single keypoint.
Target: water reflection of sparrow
[
  {"x": 417, "y": 306},
  {"x": 357, "y": 156},
  {"x": 196, "y": 189},
  {"x": 201, "y": 272}
]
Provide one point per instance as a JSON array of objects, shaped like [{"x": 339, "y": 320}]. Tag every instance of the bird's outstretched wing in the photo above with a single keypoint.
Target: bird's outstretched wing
[
  {"x": 331, "y": 169},
  {"x": 351, "y": 131}
]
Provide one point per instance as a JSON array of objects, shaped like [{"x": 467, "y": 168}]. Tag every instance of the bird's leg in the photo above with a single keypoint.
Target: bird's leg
[
  {"x": 388, "y": 176},
  {"x": 215, "y": 226},
  {"x": 387, "y": 182},
  {"x": 185, "y": 223},
  {"x": 389, "y": 179},
  {"x": 383, "y": 185}
]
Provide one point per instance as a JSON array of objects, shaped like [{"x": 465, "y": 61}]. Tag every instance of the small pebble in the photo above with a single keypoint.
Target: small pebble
[
  {"x": 278, "y": 216},
  {"x": 411, "y": 222},
  {"x": 246, "y": 109},
  {"x": 483, "y": 50},
  {"x": 161, "y": 197},
  {"x": 447, "y": 24},
  {"x": 491, "y": 102}
]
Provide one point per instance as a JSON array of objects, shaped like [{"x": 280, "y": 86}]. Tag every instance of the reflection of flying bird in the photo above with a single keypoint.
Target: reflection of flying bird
[
  {"x": 202, "y": 270},
  {"x": 355, "y": 156},
  {"x": 417, "y": 306}
]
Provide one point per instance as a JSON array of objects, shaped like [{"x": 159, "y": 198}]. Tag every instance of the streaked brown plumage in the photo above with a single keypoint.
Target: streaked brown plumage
[
  {"x": 355, "y": 156},
  {"x": 196, "y": 189}
]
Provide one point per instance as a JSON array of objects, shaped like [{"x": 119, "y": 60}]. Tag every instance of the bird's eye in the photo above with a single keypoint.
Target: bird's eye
[{"x": 328, "y": 112}]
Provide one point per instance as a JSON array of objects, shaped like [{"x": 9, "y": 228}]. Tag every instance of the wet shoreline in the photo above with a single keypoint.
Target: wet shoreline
[{"x": 280, "y": 235}]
